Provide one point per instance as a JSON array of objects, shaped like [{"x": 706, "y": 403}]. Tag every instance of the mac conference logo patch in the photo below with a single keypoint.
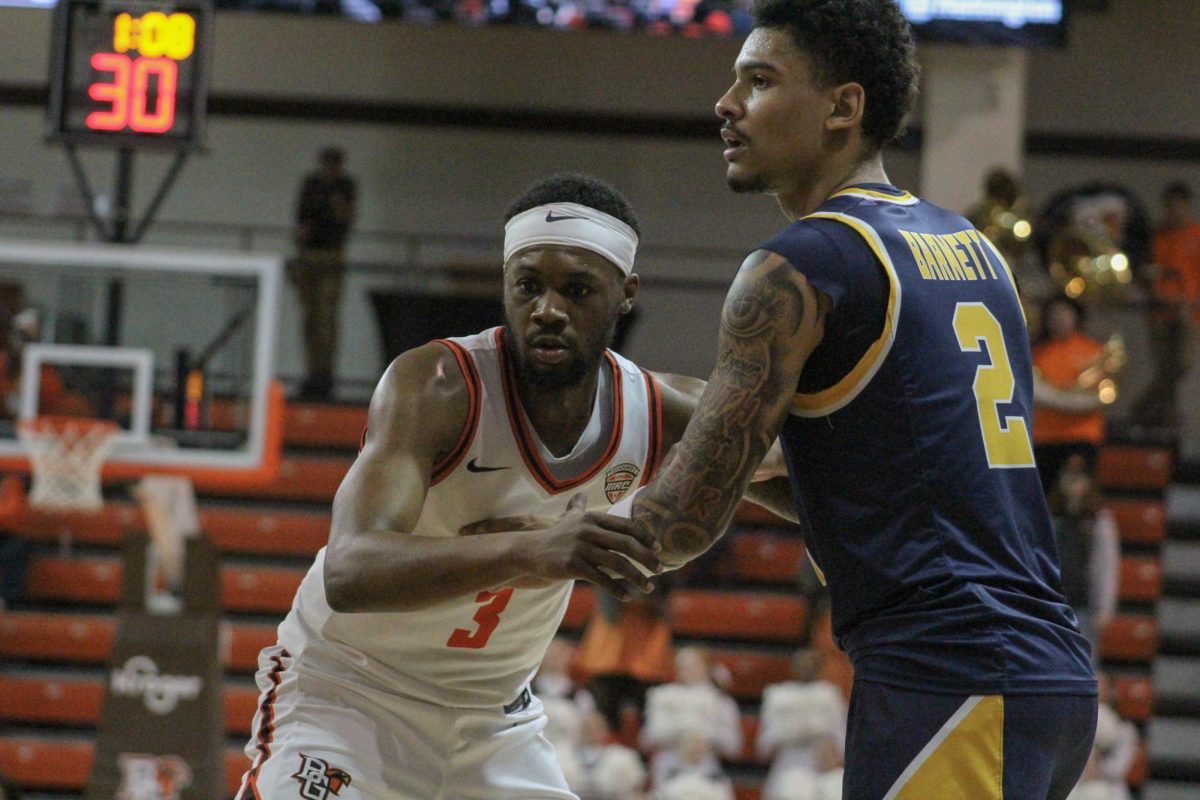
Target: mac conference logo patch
[{"x": 618, "y": 479}]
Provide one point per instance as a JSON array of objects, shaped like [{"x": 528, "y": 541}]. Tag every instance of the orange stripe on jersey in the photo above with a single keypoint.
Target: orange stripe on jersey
[
  {"x": 266, "y": 728},
  {"x": 474, "y": 400},
  {"x": 654, "y": 448},
  {"x": 524, "y": 438}
]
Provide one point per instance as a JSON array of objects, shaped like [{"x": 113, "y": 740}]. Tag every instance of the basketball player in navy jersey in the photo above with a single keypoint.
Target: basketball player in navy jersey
[
  {"x": 881, "y": 338},
  {"x": 402, "y": 670}
]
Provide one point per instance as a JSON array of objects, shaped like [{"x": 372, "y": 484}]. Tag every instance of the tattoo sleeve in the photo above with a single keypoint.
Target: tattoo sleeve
[{"x": 769, "y": 326}]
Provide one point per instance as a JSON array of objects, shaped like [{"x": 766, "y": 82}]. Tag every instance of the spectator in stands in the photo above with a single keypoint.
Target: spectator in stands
[
  {"x": 14, "y": 564},
  {"x": 553, "y": 679},
  {"x": 324, "y": 214},
  {"x": 1175, "y": 309},
  {"x": 1068, "y": 418},
  {"x": 54, "y": 395},
  {"x": 1088, "y": 546},
  {"x": 626, "y": 649},
  {"x": 693, "y": 774},
  {"x": 606, "y": 770},
  {"x": 691, "y": 723},
  {"x": 8, "y": 790},
  {"x": 802, "y": 723}
]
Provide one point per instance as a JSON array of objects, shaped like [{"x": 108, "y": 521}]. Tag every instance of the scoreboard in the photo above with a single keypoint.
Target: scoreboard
[{"x": 129, "y": 72}]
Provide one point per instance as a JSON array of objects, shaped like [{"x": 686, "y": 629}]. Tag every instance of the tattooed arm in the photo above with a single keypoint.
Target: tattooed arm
[{"x": 771, "y": 322}]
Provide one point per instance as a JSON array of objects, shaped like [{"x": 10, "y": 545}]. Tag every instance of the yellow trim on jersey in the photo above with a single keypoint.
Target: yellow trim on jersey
[
  {"x": 963, "y": 761},
  {"x": 1011, "y": 280},
  {"x": 904, "y": 198},
  {"x": 826, "y": 401}
]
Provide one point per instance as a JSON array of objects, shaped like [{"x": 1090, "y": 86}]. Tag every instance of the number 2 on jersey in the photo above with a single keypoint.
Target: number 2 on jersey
[
  {"x": 1006, "y": 441},
  {"x": 487, "y": 618}
]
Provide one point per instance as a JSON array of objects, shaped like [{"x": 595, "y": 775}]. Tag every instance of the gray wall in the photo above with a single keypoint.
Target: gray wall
[{"x": 1128, "y": 72}]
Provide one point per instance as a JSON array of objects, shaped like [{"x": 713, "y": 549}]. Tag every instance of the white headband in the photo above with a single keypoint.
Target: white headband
[{"x": 575, "y": 226}]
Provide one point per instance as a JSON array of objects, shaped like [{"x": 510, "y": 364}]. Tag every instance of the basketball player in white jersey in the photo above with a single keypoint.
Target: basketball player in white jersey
[{"x": 402, "y": 671}]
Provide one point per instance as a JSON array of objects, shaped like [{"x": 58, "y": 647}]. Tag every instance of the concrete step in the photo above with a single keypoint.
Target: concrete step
[
  {"x": 1164, "y": 790},
  {"x": 1172, "y": 748},
  {"x": 1179, "y": 626},
  {"x": 1176, "y": 686},
  {"x": 1181, "y": 568},
  {"x": 1183, "y": 511}
]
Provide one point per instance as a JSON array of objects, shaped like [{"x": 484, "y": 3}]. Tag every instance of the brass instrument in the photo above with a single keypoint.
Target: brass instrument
[
  {"x": 1100, "y": 375},
  {"x": 1082, "y": 260}
]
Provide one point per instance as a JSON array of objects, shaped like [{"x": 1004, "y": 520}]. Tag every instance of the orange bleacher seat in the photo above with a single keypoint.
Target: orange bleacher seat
[
  {"x": 749, "y": 740},
  {"x": 738, "y": 615},
  {"x": 321, "y": 425},
  {"x": 747, "y": 791},
  {"x": 232, "y": 529},
  {"x": 1134, "y": 697},
  {"x": 273, "y": 532},
  {"x": 97, "y": 581},
  {"x": 93, "y": 581},
  {"x": 55, "y": 637},
  {"x": 46, "y": 763},
  {"x": 77, "y": 702},
  {"x": 87, "y": 639},
  {"x": 767, "y": 558},
  {"x": 57, "y": 701},
  {"x": 1140, "y": 521},
  {"x": 303, "y": 478},
  {"x": 579, "y": 609},
  {"x": 1137, "y": 770},
  {"x": 1130, "y": 638},
  {"x": 1141, "y": 579},
  {"x": 722, "y": 615},
  {"x": 248, "y": 642},
  {"x": 39, "y": 763},
  {"x": 752, "y": 671},
  {"x": 750, "y": 515},
  {"x": 259, "y": 589},
  {"x": 1127, "y": 467}
]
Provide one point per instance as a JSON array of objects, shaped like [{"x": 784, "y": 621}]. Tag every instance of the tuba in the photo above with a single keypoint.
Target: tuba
[{"x": 1100, "y": 374}]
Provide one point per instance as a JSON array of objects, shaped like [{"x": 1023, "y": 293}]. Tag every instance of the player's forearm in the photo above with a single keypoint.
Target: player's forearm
[{"x": 406, "y": 572}]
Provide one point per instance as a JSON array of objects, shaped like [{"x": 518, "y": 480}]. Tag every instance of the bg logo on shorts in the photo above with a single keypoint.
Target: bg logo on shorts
[{"x": 318, "y": 780}]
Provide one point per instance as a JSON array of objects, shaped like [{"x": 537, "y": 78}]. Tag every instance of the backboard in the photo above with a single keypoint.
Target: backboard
[{"x": 175, "y": 346}]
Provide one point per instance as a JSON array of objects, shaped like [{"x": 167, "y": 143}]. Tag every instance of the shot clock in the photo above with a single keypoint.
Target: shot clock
[{"x": 129, "y": 73}]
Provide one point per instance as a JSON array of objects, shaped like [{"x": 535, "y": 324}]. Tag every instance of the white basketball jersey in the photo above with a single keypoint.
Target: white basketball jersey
[{"x": 481, "y": 650}]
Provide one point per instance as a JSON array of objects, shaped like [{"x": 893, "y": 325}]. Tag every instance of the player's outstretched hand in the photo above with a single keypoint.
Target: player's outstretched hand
[{"x": 595, "y": 547}]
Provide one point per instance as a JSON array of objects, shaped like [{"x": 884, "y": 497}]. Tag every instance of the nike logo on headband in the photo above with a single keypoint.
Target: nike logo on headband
[{"x": 551, "y": 218}]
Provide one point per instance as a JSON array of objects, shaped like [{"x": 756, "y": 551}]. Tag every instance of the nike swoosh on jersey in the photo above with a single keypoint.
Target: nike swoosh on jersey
[
  {"x": 551, "y": 218},
  {"x": 474, "y": 467}
]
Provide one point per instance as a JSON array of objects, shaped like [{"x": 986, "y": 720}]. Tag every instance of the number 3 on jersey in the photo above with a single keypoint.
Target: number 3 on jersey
[
  {"x": 487, "y": 618},
  {"x": 1006, "y": 440}
]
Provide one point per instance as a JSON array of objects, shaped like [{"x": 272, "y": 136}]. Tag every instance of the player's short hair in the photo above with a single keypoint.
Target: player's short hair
[
  {"x": 575, "y": 187},
  {"x": 865, "y": 41}
]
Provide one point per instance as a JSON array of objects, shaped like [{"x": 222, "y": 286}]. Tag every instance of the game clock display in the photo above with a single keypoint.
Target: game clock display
[{"x": 129, "y": 73}]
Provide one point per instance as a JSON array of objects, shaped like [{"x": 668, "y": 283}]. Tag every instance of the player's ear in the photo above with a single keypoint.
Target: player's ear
[
  {"x": 630, "y": 289},
  {"x": 849, "y": 104}
]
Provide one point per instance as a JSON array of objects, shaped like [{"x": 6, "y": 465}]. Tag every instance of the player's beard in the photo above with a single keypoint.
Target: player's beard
[
  {"x": 584, "y": 360},
  {"x": 748, "y": 184}
]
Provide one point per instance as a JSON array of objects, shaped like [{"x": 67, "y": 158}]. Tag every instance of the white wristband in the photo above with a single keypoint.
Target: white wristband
[{"x": 624, "y": 508}]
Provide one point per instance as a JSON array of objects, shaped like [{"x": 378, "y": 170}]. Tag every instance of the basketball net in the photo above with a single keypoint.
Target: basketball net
[{"x": 66, "y": 454}]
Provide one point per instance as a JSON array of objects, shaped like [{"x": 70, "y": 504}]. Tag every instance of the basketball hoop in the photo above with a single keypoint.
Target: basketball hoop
[{"x": 66, "y": 454}]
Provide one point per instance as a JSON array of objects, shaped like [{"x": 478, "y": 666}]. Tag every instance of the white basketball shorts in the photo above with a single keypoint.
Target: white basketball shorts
[{"x": 319, "y": 740}]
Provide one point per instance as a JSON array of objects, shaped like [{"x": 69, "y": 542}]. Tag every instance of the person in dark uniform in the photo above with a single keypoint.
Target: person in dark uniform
[
  {"x": 881, "y": 337},
  {"x": 324, "y": 215}
]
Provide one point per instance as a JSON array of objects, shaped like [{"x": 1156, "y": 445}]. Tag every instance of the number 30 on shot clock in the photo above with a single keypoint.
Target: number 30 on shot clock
[{"x": 129, "y": 73}]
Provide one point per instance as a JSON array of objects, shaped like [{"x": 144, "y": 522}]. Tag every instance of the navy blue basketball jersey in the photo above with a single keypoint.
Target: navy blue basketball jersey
[{"x": 909, "y": 451}]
